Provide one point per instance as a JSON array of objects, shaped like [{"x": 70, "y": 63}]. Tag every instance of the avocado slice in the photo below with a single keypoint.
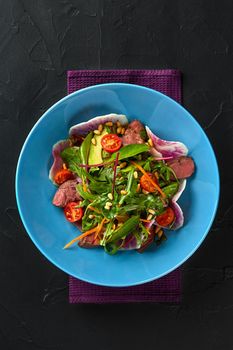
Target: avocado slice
[{"x": 95, "y": 154}]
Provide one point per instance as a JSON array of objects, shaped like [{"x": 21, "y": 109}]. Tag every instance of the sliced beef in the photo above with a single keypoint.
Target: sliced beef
[
  {"x": 89, "y": 241},
  {"x": 132, "y": 133},
  {"x": 183, "y": 167},
  {"x": 66, "y": 193}
]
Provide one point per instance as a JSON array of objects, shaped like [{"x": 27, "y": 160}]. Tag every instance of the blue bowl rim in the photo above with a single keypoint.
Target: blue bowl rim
[{"x": 79, "y": 92}]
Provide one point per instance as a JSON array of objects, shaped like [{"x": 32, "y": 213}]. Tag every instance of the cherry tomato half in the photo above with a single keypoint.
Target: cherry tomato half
[
  {"x": 166, "y": 218},
  {"x": 62, "y": 176},
  {"x": 111, "y": 143},
  {"x": 72, "y": 213},
  {"x": 146, "y": 184}
]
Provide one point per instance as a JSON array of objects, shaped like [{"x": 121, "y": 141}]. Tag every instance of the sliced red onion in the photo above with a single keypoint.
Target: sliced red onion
[
  {"x": 92, "y": 124},
  {"x": 57, "y": 160},
  {"x": 180, "y": 190},
  {"x": 164, "y": 148},
  {"x": 179, "y": 221},
  {"x": 130, "y": 243}
]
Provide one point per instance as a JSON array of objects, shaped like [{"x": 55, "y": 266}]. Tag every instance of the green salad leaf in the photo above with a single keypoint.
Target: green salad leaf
[{"x": 130, "y": 151}]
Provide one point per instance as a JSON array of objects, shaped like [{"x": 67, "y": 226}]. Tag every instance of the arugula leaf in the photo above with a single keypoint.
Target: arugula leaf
[
  {"x": 85, "y": 195},
  {"x": 128, "y": 187},
  {"x": 130, "y": 151},
  {"x": 71, "y": 154},
  {"x": 171, "y": 189}
]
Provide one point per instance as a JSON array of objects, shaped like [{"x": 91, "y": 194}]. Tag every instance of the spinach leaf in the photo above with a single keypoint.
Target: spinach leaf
[
  {"x": 130, "y": 151},
  {"x": 85, "y": 148}
]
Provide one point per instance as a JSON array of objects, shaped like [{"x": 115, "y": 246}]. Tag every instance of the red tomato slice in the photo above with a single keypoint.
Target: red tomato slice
[
  {"x": 111, "y": 143},
  {"x": 73, "y": 214},
  {"x": 147, "y": 185},
  {"x": 62, "y": 176},
  {"x": 166, "y": 218}
]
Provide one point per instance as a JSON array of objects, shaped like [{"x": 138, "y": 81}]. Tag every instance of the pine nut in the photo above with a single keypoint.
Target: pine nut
[
  {"x": 149, "y": 217},
  {"x": 151, "y": 211},
  {"x": 123, "y": 192},
  {"x": 107, "y": 207},
  {"x": 119, "y": 130},
  {"x": 109, "y": 204},
  {"x": 150, "y": 143},
  {"x": 123, "y": 165},
  {"x": 100, "y": 127},
  {"x": 118, "y": 124},
  {"x": 160, "y": 233},
  {"x": 64, "y": 166},
  {"x": 97, "y": 132},
  {"x": 122, "y": 131},
  {"x": 110, "y": 196},
  {"x": 109, "y": 124},
  {"x": 135, "y": 174},
  {"x": 93, "y": 141},
  {"x": 138, "y": 188},
  {"x": 114, "y": 226},
  {"x": 91, "y": 216}
]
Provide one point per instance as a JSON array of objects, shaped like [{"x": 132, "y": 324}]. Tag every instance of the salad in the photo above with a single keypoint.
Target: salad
[{"x": 119, "y": 183}]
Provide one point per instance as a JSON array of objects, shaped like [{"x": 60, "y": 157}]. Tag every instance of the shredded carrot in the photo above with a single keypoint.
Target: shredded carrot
[
  {"x": 149, "y": 179},
  {"x": 144, "y": 220},
  {"x": 99, "y": 228},
  {"x": 87, "y": 233},
  {"x": 94, "y": 209}
]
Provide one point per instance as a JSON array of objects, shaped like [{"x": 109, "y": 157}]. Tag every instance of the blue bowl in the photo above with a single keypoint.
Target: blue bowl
[{"x": 46, "y": 224}]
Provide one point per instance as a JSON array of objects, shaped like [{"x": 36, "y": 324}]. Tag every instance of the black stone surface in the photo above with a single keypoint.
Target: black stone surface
[{"x": 39, "y": 41}]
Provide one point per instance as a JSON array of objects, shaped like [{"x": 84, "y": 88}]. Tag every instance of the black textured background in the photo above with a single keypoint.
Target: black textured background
[{"x": 39, "y": 41}]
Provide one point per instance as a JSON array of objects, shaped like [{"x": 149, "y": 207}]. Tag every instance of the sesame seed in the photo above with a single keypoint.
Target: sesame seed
[
  {"x": 138, "y": 188},
  {"x": 119, "y": 130},
  {"x": 135, "y": 174},
  {"x": 106, "y": 207},
  {"x": 145, "y": 192},
  {"x": 97, "y": 132},
  {"x": 91, "y": 216},
  {"x": 122, "y": 131},
  {"x": 109, "y": 204},
  {"x": 118, "y": 124}
]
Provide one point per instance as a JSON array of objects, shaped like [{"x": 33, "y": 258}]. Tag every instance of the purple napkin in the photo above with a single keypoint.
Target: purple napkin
[{"x": 167, "y": 288}]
